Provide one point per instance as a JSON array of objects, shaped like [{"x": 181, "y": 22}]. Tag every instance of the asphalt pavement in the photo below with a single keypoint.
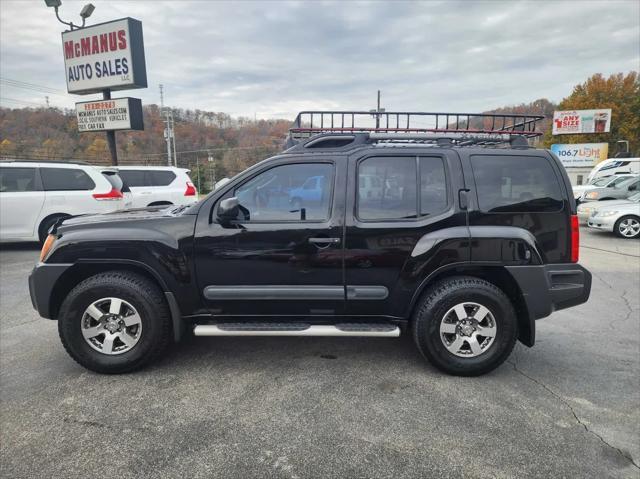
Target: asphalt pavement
[{"x": 331, "y": 407}]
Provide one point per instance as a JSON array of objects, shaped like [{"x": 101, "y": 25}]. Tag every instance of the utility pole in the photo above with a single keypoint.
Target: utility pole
[
  {"x": 377, "y": 111},
  {"x": 47, "y": 100},
  {"x": 173, "y": 138},
  {"x": 167, "y": 130}
]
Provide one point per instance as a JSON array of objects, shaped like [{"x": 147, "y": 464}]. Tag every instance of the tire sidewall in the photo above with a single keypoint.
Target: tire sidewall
[
  {"x": 70, "y": 319},
  {"x": 428, "y": 331}
]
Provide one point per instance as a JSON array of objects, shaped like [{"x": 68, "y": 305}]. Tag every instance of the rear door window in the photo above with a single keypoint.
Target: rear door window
[
  {"x": 387, "y": 188},
  {"x": 516, "y": 184},
  {"x": 14, "y": 180},
  {"x": 160, "y": 177},
  {"x": 133, "y": 177},
  {"x": 66, "y": 179}
]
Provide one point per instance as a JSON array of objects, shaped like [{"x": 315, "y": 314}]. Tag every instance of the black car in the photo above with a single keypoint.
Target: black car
[{"x": 460, "y": 235}]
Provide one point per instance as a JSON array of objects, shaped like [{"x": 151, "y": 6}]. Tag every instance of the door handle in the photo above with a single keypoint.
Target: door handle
[{"x": 324, "y": 241}]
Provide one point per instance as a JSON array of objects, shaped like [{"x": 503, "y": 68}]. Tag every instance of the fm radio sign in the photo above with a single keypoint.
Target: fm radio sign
[{"x": 106, "y": 56}]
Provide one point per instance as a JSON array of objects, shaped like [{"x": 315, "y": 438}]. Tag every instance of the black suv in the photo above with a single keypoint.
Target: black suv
[{"x": 458, "y": 233}]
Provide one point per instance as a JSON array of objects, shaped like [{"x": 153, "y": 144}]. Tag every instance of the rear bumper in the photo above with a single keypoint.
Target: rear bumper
[
  {"x": 42, "y": 280},
  {"x": 552, "y": 287}
]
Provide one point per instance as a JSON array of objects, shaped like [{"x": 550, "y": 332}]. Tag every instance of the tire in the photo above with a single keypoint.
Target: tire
[
  {"x": 136, "y": 293},
  {"x": 45, "y": 226},
  {"x": 437, "y": 307},
  {"x": 627, "y": 227}
]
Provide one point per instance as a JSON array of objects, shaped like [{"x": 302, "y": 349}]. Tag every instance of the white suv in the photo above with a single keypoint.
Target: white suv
[
  {"x": 33, "y": 196},
  {"x": 158, "y": 185}
]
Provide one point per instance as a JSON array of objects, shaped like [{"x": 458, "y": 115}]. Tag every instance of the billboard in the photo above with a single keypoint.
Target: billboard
[
  {"x": 113, "y": 114},
  {"x": 581, "y": 121},
  {"x": 581, "y": 154},
  {"x": 106, "y": 56}
]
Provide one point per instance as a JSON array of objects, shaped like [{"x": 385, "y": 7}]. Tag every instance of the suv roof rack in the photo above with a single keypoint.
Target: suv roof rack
[{"x": 450, "y": 129}]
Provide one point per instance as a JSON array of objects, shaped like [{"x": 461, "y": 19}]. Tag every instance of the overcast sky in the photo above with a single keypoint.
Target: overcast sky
[{"x": 272, "y": 59}]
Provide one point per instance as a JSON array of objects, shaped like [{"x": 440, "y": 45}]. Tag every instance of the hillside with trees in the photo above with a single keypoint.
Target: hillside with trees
[{"x": 214, "y": 145}]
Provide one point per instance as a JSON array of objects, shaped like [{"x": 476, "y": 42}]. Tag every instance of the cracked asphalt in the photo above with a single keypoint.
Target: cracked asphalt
[{"x": 331, "y": 407}]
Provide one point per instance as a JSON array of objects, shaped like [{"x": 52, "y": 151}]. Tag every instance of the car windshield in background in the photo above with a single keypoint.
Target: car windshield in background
[
  {"x": 601, "y": 182},
  {"x": 623, "y": 184},
  {"x": 635, "y": 198}
]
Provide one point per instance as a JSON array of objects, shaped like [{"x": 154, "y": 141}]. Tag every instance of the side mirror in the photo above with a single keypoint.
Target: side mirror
[{"x": 228, "y": 210}]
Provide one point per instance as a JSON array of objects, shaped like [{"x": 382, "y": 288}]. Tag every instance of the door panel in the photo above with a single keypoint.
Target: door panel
[
  {"x": 413, "y": 201},
  {"x": 271, "y": 261},
  {"x": 21, "y": 201}
]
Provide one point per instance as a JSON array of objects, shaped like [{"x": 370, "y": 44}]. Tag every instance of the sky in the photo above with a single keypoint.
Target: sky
[{"x": 272, "y": 59}]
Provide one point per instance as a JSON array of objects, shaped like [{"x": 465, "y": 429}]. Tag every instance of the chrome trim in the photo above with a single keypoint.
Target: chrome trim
[{"x": 313, "y": 330}]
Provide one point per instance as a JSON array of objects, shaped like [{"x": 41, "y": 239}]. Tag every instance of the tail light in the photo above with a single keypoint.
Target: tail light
[
  {"x": 575, "y": 239},
  {"x": 112, "y": 195},
  {"x": 191, "y": 190}
]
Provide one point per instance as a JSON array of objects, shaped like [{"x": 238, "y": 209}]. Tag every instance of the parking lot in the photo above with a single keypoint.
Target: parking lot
[{"x": 329, "y": 407}]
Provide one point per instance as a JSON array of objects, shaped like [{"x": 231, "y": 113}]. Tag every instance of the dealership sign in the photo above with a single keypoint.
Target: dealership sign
[
  {"x": 107, "y": 56},
  {"x": 581, "y": 154},
  {"x": 581, "y": 121},
  {"x": 114, "y": 114}
]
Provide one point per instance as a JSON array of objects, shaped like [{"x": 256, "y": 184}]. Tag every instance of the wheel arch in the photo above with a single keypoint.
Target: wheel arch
[
  {"x": 47, "y": 218},
  {"x": 494, "y": 274},
  {"x": 84, "y": 269}
]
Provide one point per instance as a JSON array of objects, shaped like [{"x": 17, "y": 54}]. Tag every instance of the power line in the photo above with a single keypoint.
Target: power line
[
  {"x": 24, "y": 102},
  {"x": 31, "y": 86}
]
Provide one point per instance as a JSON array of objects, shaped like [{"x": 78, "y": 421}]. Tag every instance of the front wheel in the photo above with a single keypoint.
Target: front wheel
[
  {"x": 465, "y": 326},
  {"x": 627, "y": 227},
  {"x": 114, "y": 322}
]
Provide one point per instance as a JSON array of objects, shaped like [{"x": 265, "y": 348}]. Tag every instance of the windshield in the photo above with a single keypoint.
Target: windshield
[
  {"x": 601, "y": 182},
  {"x": 635, "y": 198},
  {"x": 624, "y": 183}
]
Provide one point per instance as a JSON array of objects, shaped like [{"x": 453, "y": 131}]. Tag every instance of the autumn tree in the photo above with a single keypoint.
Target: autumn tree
[{"x": 619, "y": 92}]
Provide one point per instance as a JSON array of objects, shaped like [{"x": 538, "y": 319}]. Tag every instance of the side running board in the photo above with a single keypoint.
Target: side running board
[{"x": 379, "y": 330}]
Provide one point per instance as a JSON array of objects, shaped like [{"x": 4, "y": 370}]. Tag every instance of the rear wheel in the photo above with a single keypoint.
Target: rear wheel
[
  {"x": 627, "y": 227},
  {"x": 465, "y": 326},
  {"x": 114, "y": 322}
]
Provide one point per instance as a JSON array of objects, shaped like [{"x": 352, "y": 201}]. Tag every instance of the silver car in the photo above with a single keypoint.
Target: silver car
[
  {"x": 621, "y": 218},
  {"x": 618, "y": 192}
]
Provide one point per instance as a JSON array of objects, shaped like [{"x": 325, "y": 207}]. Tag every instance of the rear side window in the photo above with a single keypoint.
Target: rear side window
[
  {"x": 17, "y": 179},
  {"x": 160, "y": 177},
  {"x": 66, "y": 179},
  {"x": 133, "y": 177},
  {"x": 516, "y": 184}
]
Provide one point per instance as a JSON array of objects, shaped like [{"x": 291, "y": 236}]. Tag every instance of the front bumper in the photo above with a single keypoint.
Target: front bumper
[
  {"x": 42, "y": 281},
  {"x": 602, "y": 223}
]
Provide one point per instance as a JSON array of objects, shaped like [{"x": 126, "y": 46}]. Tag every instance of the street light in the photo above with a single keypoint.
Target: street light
[{"x": 85, "y": 13}]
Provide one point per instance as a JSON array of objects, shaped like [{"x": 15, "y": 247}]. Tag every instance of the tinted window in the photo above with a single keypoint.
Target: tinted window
[
  {"x": 160, "y": 177},
  {"x": 17, "y": 179},
  {"x": 433, "y": 186},
  {"x": 516, "y": 184},
  {"x": 387, "y": 188},
  {"x": 133, "y": 177},
  {"x": 288, "y": 192},
  {"x": 65, "y": 179}
]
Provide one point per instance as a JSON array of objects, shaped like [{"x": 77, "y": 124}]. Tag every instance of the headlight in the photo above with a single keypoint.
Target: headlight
[
  {"x": 592, "y": 195},
  {"x": 608, "y": 213},
  {"x": 46, "y": 247}
]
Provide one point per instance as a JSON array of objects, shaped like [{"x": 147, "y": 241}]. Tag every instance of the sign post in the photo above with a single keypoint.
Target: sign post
[{"x": 103, "y": 58}]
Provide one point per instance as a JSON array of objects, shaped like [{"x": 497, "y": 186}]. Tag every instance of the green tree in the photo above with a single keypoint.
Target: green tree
[{"x": 619, "y": 92}]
